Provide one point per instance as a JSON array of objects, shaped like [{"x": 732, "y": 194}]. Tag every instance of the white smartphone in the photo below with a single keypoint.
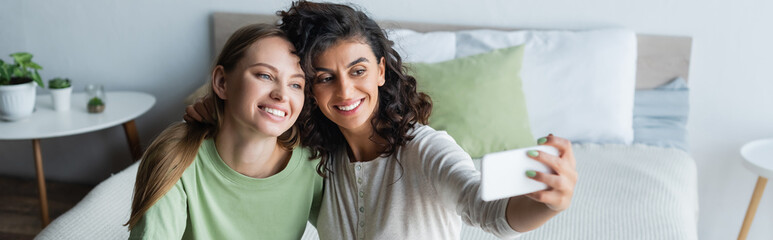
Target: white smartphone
[{"x": 503, "y": 174}]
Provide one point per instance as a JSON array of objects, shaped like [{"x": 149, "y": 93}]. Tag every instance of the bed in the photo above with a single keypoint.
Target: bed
[{"x": 637, "y": 179}]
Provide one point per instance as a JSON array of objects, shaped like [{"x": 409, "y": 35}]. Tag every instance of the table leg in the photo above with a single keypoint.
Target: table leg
[
  {"x": 134, "y": 141},
  {"x": 756, "y": 196},
  {"x": 41, "y": 182}
]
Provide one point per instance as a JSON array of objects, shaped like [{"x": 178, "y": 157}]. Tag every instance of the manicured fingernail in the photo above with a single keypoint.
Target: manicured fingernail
[
  {"x": 533, "y": 153},
  {"x": 531, "y": 173},
  {"x": 542, "y": 141}
]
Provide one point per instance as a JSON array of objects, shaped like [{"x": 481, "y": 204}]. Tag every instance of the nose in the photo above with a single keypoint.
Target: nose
[
  {"x": 345, "y": 87},
  {"x": 279, "y": 93}
]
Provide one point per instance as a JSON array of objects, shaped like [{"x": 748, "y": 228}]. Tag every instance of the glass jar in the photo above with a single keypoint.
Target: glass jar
[{"x": 95, "y": 94}]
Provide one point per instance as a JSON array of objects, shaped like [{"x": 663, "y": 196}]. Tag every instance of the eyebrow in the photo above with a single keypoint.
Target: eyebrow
[
  {"x": 298, "y": 75},
  {"x": 359, "y": 60},
  {"x": 265, "y": 65}
]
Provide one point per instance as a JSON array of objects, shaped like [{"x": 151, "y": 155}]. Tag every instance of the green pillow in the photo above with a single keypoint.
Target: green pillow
[{"x": 478, "y": 100}]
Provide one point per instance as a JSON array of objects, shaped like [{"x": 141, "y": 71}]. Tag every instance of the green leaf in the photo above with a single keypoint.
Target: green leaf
[
  {"x": 21, "y": 57},
  {"x": 95, "y": 102},
  {"x": 34, "y": 65},
  {"x": 59, "y": 83},
  {"x": 37, "y": 79},
  {"x": 17, "y": 72},
  {"x": 5, "y": 73}
]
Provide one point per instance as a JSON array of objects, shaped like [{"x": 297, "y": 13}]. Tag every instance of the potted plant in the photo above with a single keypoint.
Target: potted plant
[
  {"x": 60, "y": 89},
  {"x": 17, "y": 86},
  {"x": 96, "y": 95},
  {"x": 96, "y": 105}
]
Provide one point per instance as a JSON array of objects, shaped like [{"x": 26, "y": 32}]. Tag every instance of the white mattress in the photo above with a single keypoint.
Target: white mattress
[{"x": 623, "y": 192}]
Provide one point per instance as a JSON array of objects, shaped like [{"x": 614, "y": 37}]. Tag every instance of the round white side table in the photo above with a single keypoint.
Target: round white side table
[
  {"x": 121, "y": 108},
  {"x": 758, "y": 158}
]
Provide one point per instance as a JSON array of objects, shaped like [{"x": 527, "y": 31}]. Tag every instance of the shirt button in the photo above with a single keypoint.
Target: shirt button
[
  {"x": 358, "y": 167},
  {"x": 362, "y": 209},
  {"x": 362, "y": 194},
  {"x": 362, "y": 224},
  {"x": 359, "y": 180}
]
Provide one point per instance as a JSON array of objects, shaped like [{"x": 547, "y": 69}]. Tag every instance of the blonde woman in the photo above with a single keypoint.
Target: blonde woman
[{"x": 238, "y": 178}]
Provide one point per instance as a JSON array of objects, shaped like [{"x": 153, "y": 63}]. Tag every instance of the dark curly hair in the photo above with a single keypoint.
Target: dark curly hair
[{"x": 315, "y": 27}]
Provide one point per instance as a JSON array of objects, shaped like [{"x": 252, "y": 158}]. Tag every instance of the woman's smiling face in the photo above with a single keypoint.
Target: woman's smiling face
[
  {"x": 346, "y": 84},
  {"x": 265, "y": 90}
]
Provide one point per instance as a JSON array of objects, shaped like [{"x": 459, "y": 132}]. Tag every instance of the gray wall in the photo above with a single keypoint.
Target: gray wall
[{"x": 162, "y": 47}]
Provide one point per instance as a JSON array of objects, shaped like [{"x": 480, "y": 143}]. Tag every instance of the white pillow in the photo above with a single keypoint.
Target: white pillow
[
  {"x": 578, "y": 84},
  {"x": 428, "y": 47}
]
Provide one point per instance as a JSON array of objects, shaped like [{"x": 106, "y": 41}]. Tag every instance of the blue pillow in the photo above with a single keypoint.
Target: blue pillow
[{"x": 660, "y": 115}]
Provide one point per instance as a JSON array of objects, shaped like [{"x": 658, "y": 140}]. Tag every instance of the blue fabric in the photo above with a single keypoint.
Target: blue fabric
[{"x": 660, "y": 115}]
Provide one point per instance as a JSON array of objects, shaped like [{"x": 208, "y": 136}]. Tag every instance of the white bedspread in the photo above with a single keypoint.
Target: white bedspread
[
  {"x": 100, "y": 214},
  {"x": 623, "y": 192}
]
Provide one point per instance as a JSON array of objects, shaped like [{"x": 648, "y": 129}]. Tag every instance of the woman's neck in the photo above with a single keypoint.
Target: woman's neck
[
  {"x": 364, "y": 144},
  {"x": 249, "y": 152}
]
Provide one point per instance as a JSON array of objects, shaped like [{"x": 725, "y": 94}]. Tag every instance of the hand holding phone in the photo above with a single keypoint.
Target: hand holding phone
[{"x": 503, "y": 174}]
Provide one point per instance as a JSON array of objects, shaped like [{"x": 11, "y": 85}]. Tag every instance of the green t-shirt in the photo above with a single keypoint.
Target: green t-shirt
[{"x": 212, "y": 201}]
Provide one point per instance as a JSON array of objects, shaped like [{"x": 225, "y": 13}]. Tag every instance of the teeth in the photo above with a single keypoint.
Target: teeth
[
  {"x": 350, "y": 107},
  {"x": 274, "y": 112}
]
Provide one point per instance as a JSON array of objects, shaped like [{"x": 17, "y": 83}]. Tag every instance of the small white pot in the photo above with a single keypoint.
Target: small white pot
[
  {"x": 61, "y": 98},
  {"x": 17, "y": 101}
]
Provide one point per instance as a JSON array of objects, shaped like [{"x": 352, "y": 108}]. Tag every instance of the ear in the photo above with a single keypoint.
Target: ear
[
  {"x": 381, "y": 72},
  {"x": 218, "y": 82}
]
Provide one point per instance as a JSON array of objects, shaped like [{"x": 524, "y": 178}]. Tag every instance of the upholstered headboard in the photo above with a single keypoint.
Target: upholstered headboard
[{"x": 660, "y": 58}]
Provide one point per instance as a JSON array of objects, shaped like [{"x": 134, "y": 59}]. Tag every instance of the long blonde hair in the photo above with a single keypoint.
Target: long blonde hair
[{"x": 176, "y": 147}]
